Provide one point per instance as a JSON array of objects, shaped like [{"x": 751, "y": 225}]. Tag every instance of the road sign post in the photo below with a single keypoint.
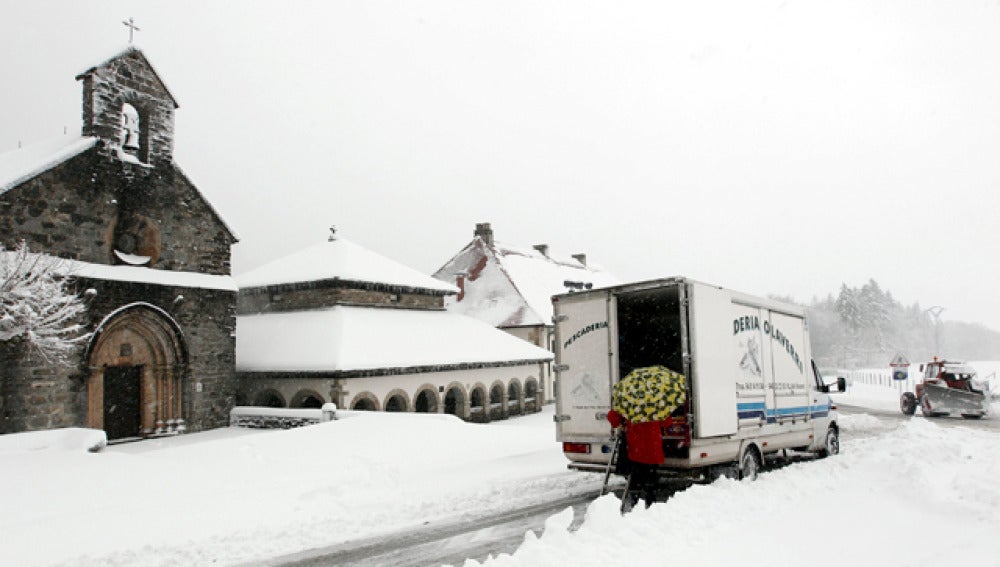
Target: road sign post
[{"x": 900, "y": 370}]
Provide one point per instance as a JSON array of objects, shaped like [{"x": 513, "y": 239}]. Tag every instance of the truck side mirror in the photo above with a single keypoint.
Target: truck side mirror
[{"x": 841, "y": 384}]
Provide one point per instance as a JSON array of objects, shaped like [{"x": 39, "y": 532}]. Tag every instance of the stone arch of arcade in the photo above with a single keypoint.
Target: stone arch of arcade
[
  {"x": 396, "y": 400},
  {"x": 531, "y": 401},
  {"x": 426, "y": 400},
  {"x": 515, "y": 401},
  {"x": 455, "y": 400},
  {"x": 477, "y": 403},
  {"x": 365, "y": 401},
  {"x": 269, "y": 398},
  {"x": 306, "y": 399},
  {"x": 498, "y": 401},
  {"x": 137, "y": 365}
]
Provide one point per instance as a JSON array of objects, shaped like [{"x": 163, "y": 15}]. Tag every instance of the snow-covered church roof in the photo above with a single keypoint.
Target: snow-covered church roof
[
  {"x": 343, "y": 260},
  {"x": 130, "y": 274},
  {"x": 344, "y": 339},
  {"x": 509, "y": 286},
  {"x": 20, "y": 165}
]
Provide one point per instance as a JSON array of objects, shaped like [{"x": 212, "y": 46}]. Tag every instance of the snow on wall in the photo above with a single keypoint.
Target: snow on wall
[{"x": 361, "y": 338}]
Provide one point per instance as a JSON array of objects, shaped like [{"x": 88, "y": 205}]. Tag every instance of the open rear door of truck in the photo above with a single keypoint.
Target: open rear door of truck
[
  {"x": 583, "y": 366},
  {"x": 712, "y": 367}
]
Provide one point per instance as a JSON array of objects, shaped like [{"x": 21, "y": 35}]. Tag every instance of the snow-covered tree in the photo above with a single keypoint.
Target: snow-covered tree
[{"x": 37, "y": 307}]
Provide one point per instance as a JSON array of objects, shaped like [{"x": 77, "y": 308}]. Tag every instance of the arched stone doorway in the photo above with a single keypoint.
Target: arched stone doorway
[{"x": 137, "y": 363}]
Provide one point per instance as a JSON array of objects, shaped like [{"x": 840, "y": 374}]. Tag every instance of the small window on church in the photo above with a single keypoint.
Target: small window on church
[{"x": 131, "y": 131}]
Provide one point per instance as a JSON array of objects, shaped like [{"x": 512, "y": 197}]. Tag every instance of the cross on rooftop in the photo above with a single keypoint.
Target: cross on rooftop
[{"x": 130, "y": 24}]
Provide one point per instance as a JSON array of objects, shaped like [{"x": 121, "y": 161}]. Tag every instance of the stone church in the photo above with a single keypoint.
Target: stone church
[{"x": 150, "y": 254}]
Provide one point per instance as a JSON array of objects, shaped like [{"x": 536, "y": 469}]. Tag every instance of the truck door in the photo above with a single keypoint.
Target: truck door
[
  {"x": 792, "y": 380},
  {"x": 583, "y": 366},
  {"x": 714, "y": 401},
  {"x": 752, "y": 365}
]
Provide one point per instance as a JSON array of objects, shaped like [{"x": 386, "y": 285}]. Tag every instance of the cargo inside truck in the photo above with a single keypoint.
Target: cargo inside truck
[{"x": 649, "y": 330}]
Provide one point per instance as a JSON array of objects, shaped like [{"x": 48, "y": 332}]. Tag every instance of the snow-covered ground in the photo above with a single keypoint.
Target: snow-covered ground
[{"x": 905, "y": 492}]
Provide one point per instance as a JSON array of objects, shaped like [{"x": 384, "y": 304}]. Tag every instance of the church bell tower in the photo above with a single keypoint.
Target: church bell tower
[{"x": 127, "y": 106}]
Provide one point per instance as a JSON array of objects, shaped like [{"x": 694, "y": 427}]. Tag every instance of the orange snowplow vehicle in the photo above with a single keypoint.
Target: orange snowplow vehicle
[{"x": 947, "y": 388}]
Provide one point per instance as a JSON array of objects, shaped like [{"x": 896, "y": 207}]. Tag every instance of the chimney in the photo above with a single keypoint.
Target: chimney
[
  {"x": 582, "y": 258},
  {"x": 460, "y": 284},
  {"x": 484, "y": 231},
  {"x": 543, "y": 248}
]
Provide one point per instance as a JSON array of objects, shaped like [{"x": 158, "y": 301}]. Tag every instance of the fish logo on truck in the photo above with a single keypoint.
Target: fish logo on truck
[{"x": 752, "y": 323}]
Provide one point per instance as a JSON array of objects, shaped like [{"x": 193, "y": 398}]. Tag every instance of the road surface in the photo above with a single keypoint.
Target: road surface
[
  {"x": 455, "y": 542},
  {"x": 446, "y": 544}
]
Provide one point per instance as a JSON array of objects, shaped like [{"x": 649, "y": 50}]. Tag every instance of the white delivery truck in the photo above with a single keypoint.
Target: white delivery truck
[{"x": 752, "y": 388}]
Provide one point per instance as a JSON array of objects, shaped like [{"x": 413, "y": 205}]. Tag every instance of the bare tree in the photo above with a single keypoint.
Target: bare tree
[{"x": 37, "y": 306}]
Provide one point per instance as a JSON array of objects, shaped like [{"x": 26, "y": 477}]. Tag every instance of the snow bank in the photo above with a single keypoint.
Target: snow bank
[
  {"x": 67, "y": 439},
  {"x": 236, "y": 496},
  {"x": 243, "y": 495},
  {"x": 862, "y": 507}
]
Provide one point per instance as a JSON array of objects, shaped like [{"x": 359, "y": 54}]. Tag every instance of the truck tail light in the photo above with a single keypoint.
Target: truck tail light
[
  {"x": 576, "y": 447},
  {"x": 678, "y": 430}
]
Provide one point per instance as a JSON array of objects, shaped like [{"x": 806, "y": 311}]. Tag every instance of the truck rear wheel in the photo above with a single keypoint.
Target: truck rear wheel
[
  {"x": 908, "y": 403},
  {"x": 750, "y": 464}
]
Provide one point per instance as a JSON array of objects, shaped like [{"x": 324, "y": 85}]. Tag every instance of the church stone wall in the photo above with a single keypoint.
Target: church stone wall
[
  {"x": 37, "y": 395},
  {"x": 208, "y": 325},
  {"x": 64, "y": 211},
  {"x": 78, "y": 209}
]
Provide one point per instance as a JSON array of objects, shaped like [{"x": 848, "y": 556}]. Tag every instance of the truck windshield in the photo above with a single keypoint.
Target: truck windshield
[
  {"x": 958, "y": 372},
  {"x": 818, "y": 377}
]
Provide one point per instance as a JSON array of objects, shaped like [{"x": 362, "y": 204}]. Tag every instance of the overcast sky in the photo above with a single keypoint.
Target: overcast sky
[{"x": 771, "y": 147}]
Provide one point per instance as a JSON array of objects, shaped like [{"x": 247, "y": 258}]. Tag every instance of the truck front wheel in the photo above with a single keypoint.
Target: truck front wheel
[
  {"x": 831, "y": 445},
  {"x": 908, "y": 403},
  {"x": 750, "y": 464}
]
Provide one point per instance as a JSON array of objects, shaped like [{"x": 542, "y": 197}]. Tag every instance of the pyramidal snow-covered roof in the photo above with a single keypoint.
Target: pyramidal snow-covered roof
[
  {"x": 340, "y": 259},
  {"x": 344, "y": 339},
  {"x": 20, "y": 165},
  {"x": 508, "y": 286}
]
